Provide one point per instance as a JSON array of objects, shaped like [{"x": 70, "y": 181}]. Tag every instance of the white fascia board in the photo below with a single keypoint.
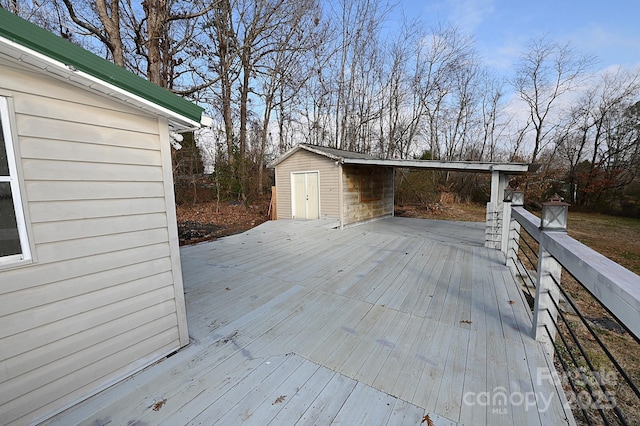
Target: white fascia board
[
  {"x": 321, "y": 152},
  {"x": 63, "y": 71},
  {"x": 283, "y": 157},
  {"x": 468, "y": 166}
]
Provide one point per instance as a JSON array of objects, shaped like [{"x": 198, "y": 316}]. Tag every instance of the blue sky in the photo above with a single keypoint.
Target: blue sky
[{"x": 609, "y": 29}]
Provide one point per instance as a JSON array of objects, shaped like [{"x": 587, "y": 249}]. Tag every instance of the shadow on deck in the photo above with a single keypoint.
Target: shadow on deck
[{"x": 382, "y": 323}]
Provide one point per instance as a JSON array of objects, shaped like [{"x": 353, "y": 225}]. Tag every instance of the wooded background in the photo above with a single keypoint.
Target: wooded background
[{"x": 274, "y": 73}]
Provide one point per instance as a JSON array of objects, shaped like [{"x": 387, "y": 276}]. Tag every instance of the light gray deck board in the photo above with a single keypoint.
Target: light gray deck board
[
  {"x": 379, "y": 348},
  {"x": 266, "y": 400},
  {"x": 380, "y": 323},
  {"x": 365, "y": 406},
  {"x": 401, "y": 356},
  {"x": 475, "y": 377},
  {"x": 296, "y": 404},
  {"x": 328, "y": 402},
  {"x": 449, "y": 403}
]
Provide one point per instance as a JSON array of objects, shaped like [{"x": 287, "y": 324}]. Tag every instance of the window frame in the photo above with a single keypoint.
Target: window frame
[{"x": 14, "y": 183}]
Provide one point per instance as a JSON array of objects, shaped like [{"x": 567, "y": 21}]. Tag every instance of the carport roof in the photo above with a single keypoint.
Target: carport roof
[{"x": 348, "y": 157}]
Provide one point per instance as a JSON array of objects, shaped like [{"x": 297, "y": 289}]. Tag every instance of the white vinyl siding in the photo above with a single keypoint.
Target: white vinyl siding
[
  {"x": 329, "y": 185},
  {"x": 14, "y": 244},
  {"x": 103, "y": 296}
]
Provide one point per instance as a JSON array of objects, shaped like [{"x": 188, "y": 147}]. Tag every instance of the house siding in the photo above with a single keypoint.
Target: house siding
[
  {"x": 367, "y": 192},
  {"x": 305, "y": 161},
  {"x": 103, "y": 295}
]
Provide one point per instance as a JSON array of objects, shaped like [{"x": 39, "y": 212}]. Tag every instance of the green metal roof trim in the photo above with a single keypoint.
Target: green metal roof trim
[{"x": 42, "y": 41}]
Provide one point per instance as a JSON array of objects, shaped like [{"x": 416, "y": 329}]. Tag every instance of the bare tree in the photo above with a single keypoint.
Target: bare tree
[
  {"x": 284, "y": 69},
  {"x": 105, "y": 28},
  {"x": 600, "y": 138},
  {"x": 44, "y": 13},
  {"x": 491, "y": 93},
  {"x": 224, "y": 61},
  {"x": 358, "y": 23},
  {"x": 445, "y": 54},
  {"x": 157, "y": 38},
  {"x": 401, "y": 110},
  {"x": 544, "y": 74},
  {"x": 256, "y": 48}
]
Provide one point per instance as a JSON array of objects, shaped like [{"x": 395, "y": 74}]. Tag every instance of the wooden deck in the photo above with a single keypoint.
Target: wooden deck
[{"x": 382, "y": 323}]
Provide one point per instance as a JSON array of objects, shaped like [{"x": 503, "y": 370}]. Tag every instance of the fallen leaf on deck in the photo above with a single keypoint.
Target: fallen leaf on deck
[
  {"x": 158, "y": 405},
  {"x": 511, "y": 302},
  {"x": 279, "y": 399},
  {"x": 230, "y": 337},
  {"x": 227, "y": 288},
  {"x": 466, "y": 321},
  {"x": 427, "y": 419}
]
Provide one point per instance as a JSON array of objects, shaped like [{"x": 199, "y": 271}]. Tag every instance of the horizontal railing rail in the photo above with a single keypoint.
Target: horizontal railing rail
[
  {"x": 575, "y": 290},
  {"x": 617, "y": 288}
]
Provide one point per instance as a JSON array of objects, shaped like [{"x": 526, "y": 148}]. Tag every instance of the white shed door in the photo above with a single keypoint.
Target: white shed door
[{"x": 305, "y": 195}]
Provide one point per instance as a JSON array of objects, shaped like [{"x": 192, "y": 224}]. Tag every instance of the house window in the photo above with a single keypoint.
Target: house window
[{"x": 14, "y": 246}]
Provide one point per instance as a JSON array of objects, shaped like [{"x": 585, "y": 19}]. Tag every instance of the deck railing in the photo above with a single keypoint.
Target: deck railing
[{"x": 585, "y": 309}]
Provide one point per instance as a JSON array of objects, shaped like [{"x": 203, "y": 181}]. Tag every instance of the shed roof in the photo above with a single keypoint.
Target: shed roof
[
  {"x": 331, "y": 153},
  {"x": 348, "y": 157},
  {"x": 25, "y": 42}
]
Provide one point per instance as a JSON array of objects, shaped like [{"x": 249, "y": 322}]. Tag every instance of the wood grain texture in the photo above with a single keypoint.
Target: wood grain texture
[{"x": 381, "y": 323}]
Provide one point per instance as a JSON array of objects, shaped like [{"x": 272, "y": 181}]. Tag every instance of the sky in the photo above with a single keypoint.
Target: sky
[{"x": 608, "y": 29}]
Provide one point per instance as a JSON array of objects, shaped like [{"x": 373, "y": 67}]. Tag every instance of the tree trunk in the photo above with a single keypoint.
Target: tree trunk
[{"x": 156, "y": 13}]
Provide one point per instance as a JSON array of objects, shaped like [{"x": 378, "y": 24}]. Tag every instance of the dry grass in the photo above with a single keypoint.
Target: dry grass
[
  {"x": 441, "y": 211},
  {"x": 617, "y": 238}
]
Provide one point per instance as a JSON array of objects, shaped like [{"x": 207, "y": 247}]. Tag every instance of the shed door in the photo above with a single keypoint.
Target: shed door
[{"x": 306, "y": 201}]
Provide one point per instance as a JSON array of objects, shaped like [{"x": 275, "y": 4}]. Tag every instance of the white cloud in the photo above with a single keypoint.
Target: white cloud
[
  {"x": 503, "y": 57},
  {"x": 469, "y": 14},
  {"x": 610, "y": 46}
]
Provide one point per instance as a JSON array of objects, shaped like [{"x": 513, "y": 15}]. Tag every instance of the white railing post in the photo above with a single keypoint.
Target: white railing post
[
  {"x": 513, "y": 233},
  {"x": 545, "y": 312},
  {"x": 490, "y": 226},
  {"x": 506, "y": 220},
  {"x": 494, "y": 222}
]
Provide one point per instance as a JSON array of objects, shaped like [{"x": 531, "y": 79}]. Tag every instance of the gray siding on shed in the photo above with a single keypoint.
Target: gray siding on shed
[
  {"x": 305, "y": 161},
  {"x": 103, "y": 296}
]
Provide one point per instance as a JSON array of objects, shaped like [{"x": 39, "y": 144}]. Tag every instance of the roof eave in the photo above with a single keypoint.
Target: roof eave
[
  {"x": 470, "y": 166},
  {"x": 321, "y": 152},
  {"x": 297, "y": 148},
  {"x": 60, "y": 70}
]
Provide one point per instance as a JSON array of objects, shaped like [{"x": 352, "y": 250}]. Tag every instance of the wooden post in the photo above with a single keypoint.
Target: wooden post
[
  {"x": 545, "y": 312},
  {"x": 544, "y": 309},
  {"x": 513, "y": 233},
  {"x": 273, "y": 205},
  {"x": 506, "y": 220},
  {"x": 499, "y": 182}
]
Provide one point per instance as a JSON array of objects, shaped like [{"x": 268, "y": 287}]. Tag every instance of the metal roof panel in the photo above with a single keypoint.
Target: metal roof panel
[{"x": 39, "y": 40}]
